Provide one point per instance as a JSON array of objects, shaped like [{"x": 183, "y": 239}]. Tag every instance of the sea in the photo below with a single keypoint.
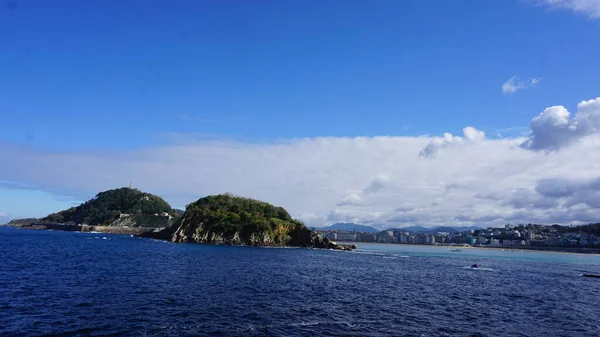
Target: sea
[{"x": 91, "y": 284}]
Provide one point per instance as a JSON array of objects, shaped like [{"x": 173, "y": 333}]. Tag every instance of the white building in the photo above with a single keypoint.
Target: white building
[{"x": 346, "y": 236}]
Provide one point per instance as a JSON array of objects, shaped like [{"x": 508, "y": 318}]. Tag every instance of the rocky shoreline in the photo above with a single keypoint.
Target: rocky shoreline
[
  {"x": 218, "y": 219},
  {"x": 84, "y": 228},
  {"x": 313, "y": 240},
  {"x": 233, "y": 220}
]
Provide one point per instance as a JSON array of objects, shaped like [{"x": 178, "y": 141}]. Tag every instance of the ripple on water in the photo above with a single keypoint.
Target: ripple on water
[{"x": 64, "y": 284}]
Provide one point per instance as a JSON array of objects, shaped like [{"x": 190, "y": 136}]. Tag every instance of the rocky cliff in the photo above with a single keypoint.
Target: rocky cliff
[{"x": 227, "y": 219}]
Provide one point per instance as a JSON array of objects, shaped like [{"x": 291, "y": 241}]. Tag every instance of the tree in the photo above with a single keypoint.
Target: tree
[{"x": 107, "y": 207}]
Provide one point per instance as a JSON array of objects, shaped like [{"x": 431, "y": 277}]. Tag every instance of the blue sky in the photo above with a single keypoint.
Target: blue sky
[{"x": 114, "y": 77}]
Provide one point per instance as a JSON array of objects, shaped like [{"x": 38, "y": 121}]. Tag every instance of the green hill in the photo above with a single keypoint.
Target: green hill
[
  {"x": 227, "y": 219},
  {"x": 119, "y": 207}
]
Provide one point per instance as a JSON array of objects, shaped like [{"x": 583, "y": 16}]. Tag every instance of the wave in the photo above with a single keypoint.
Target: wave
[
  {"x": 401, "y": 256},
  {"x": 479, "y": 268},
  {"x": 368, "y": 253}
]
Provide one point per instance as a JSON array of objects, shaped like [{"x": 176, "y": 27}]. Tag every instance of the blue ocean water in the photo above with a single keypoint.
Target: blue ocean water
[{"x": 86, "y": 284}]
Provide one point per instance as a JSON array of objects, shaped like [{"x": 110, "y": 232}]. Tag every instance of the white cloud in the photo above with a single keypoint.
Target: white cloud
[
  {"x": 405, "y": 207},
  {"x": 471, "y": 135},
  {"x": 377, "y": 184},
  {"x": 554, "y": 129},
  {"x": 3, "y": 215},
  {"x": 591, "y": 8},
  {"x": 514, "y": 84},
  {"x": 353, "y": 199},
  {"x": 362, "y": 198},
  {"x": 572, "y": 192},
  {"x": 381, "y": 181},
  {"x": 527, "y": 199},
  {"x": 335, "y": 216}
]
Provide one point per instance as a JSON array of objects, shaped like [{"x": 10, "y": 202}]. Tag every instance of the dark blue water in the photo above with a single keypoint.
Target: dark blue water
[{"x": 74, "y": 284}]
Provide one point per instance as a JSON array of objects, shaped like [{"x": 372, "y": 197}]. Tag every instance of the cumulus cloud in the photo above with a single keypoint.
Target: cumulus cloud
[
  {"x": 361, "y": 198},
  {"x": 473, "y": 135},
  {"x": 377, "y": 184},
  {"x": 381, "y": 181},
  {"x": 489, "y": 196},
  {"x": 591, "y": 8},
  {"x": 405, "y": 207},
  {"x": 575, "y": 215},
  {"x": 514, "y": 84},
  {"x": 326, "y": 180},
  {"x": 335, "y": 216},
  {"x": 480, "y": 218},
  {"x": 525, "y": 198},
  {"x": 470, "y": 135},
  {"x": 554, "y": 128},
  {"x": 572, "y": 192},
  {"x": 353, "y": 199},
  {"x": 557, "y": 188}
]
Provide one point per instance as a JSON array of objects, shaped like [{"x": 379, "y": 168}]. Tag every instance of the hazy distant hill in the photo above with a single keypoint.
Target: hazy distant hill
[
  {"x": 420, "y": 229},
  {"x": 468, "y": 228},
  {"x": 348, "y": 226},
  {"x": 412, "y": 229}
]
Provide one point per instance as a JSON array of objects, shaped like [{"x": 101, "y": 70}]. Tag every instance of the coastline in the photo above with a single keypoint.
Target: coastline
[
  {"x": 344, "y": 245},
  {"x": 150, "y": 233},
  {"x": 560, "y": 250},
  {"x": 85, "y": 228}
]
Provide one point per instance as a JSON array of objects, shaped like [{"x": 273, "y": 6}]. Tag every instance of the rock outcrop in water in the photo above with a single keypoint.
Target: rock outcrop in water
[{"x": 227, "y": 219}]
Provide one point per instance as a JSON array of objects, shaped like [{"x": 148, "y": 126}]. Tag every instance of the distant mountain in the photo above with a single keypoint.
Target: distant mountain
[
  {"x": 420, "y": 229},
  {"x": 412, "y": 229},
  {"x": 469, "y": 228},
  {"x": 447, "y": 229},
  {"x": 348, "y": 226}
]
